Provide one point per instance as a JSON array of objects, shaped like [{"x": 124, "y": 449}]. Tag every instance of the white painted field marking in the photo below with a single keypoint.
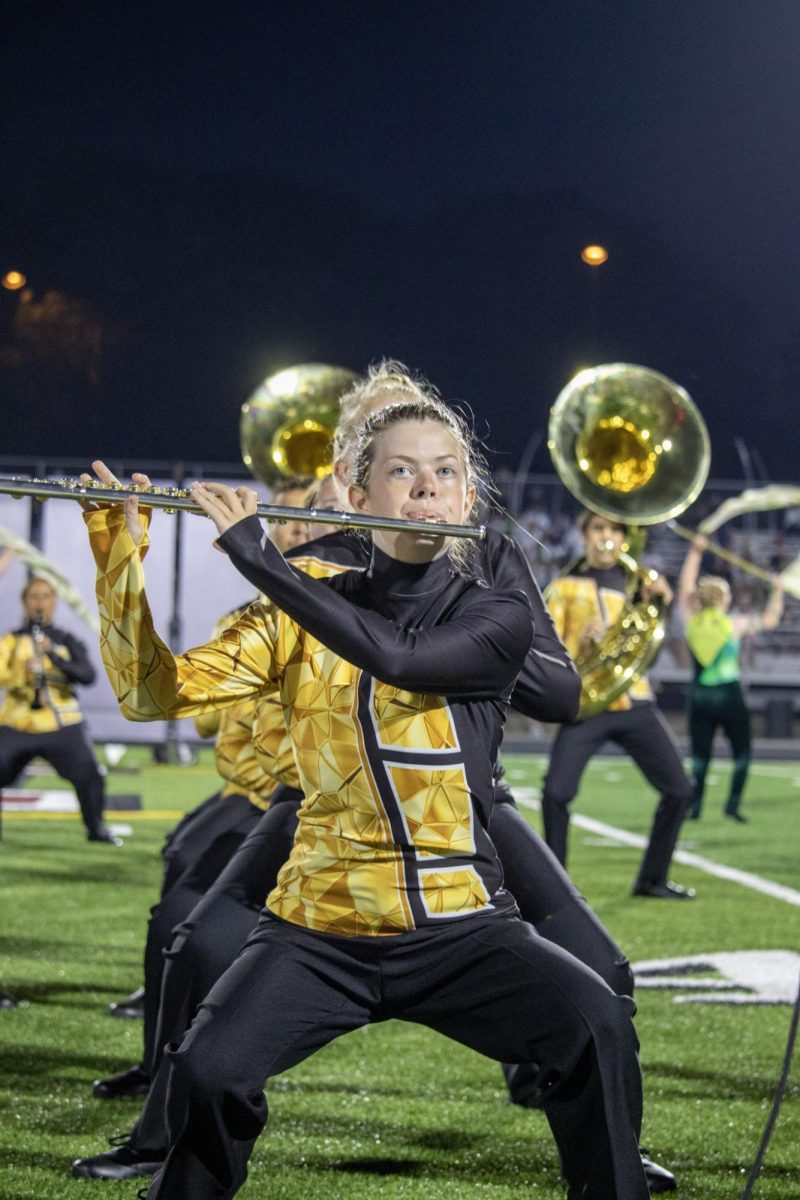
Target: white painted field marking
[
  {"x": 743, "y": 977},
  {"x": 528, "y": 798}
]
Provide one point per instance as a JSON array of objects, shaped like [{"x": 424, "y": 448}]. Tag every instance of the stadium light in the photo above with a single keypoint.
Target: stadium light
[
  {"x": 594, "y": 255},
  {"x": 12, "y": 281}
]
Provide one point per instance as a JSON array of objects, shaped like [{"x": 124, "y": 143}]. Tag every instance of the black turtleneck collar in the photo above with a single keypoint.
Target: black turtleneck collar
[{"x": 396, "y": 578}]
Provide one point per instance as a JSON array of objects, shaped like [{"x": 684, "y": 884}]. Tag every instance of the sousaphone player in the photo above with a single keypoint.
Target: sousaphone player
[{"x": 632, "y": 447}]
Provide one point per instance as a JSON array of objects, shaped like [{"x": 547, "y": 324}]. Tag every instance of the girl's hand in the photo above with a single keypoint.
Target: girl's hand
[
  {"x": 131, "y": 504},
  {"x": 226, "y": 506}
]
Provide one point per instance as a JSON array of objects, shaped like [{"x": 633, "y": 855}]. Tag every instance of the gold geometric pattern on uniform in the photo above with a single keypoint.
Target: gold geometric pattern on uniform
[
  {"x": 341, "y": 800},
  {"x": 272, "y": 745},
  {"x": 410, "y": 719},
  {"x": 345, "y": 895},
  {"x": 446, "y": 892},
  {"x": 148, "y": 680},
  {"x": 345, "y": 874},
  {"x": 437, "y": 809},
  {"x": 236, "y": 758},
  {"x": 575, "y": 603},
  {"x": 60, "y": 706},
  {"x": 207, "y": 724}
]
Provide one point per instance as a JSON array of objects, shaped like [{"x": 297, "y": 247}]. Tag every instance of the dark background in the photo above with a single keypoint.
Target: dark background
[{"x": 199, "y": 194}]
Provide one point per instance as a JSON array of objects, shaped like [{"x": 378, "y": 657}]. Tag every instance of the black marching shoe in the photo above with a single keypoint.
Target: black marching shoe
[
  {"x": 103, "y": 834},
  {"x": 133, "y": 1082},
  {"x": 131, "y": 1008},
  {"x": 663, "y": 891},
  {"x": 734, "y": 815},
  {"x": 659, "y": 1179},
  {"x": 123, "y": 1162}
]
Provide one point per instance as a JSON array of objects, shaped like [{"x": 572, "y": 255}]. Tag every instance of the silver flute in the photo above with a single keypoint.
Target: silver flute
[{"x": 172, "y": 499}]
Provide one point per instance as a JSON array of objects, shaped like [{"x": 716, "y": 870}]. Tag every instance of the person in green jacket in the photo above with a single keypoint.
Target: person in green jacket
[{"x": 715, "y": 693}]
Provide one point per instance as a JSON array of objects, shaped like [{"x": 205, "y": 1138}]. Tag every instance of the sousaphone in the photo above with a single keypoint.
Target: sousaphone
[
  {"x": 632, "y": 446},
  {"x": 287, "y": 425}
]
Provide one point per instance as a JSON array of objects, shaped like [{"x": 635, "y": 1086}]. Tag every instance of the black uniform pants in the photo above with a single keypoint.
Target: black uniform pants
[
  {"x": 181, "y": 846},
  {"x": 489, "y": 983},
  {"x": 204, "y": 847},
  {"x": 721, "y": 706},
  {"x": 548, "y": 899},
  {"x": 207, "y": 941},
  {"x": 642, "y": 733},
  {"x": 70, "y": 754}
]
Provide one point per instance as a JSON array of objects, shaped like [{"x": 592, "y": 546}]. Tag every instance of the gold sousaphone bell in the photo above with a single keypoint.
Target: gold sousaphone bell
[
  {"x": 287, "y": 425},
  {"x": 630, "y": 445}
]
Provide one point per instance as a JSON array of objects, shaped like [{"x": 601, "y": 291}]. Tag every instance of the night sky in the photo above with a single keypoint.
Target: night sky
[{"x": 202, "y": 193}]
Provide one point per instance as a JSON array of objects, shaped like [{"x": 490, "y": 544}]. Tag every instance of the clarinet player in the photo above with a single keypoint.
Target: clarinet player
[{"x": 40, "y": 717}]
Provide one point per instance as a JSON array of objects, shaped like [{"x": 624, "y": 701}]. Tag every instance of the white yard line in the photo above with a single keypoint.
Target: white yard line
[{"x": 525, "y": 798}]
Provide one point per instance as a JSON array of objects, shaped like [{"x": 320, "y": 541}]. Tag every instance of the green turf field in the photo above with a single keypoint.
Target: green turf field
[{"x": 395, "y": 1111}]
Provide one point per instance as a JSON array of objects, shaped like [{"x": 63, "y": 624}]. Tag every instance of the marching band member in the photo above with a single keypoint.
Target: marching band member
[
  {"x": 40, "y": 668},
  {"x": 395, "y": 682},
  {"x": 583, "y": 604},
  {"x": 206, "y": 942}
]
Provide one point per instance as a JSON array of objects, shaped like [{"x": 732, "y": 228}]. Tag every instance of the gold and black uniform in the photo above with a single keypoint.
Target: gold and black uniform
[
  {"x": 244, "y": 795},
  {"x": 201, "y": 848},
  {"x": 398, "y": 783},
  {"x": 208, "y": 940},
  {"x": 588, "y": 596},
  {"x": 394, "y": 683},
  {"x": 253, "y": 755},
  {"x": 42, "y": 718}
]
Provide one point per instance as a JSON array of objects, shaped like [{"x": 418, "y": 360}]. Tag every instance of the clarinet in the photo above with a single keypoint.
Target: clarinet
[{"x": 37, "y": 637}]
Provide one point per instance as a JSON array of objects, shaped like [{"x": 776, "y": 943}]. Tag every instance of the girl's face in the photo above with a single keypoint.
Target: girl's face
[{"x": 417, "y": 474}]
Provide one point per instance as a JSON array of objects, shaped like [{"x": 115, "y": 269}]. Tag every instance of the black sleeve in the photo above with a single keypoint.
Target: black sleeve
[
  {"x": 548, "y": 687},
  {"x": 343, "y": 548},
  {"x": 78, "y": 667},
  {"x": 478, "y": 653}
]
